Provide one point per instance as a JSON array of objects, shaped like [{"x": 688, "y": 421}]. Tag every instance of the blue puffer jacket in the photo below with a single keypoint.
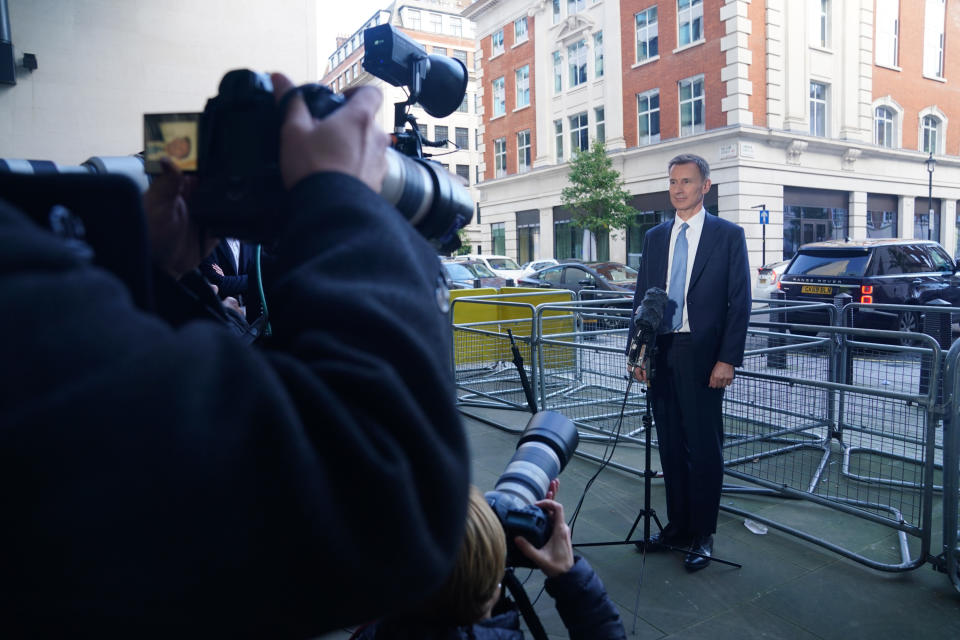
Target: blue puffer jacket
[{"x": 581, "y": 599}]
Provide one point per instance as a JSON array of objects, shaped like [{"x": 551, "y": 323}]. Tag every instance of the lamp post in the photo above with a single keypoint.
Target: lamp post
[{"x": 931, "y": 163}]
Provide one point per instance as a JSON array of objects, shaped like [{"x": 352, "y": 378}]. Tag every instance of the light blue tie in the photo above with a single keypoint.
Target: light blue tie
[{"x": 678, "y": 282}]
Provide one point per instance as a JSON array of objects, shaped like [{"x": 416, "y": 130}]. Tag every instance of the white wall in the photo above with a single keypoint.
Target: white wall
[{"x": 103, "y": 63}]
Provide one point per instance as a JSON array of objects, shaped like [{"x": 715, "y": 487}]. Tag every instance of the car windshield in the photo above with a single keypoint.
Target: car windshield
[
  {"x": 503, "y": 263},
  {"x": 480, "y": 270},
  {"x": 616, "y": 272},
  {"x": 830, "y": 263},
  {"x": 457, "y": 271}
]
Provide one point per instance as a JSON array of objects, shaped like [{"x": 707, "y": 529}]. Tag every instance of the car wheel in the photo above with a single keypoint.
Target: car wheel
[{"x": 908, "y": 322}]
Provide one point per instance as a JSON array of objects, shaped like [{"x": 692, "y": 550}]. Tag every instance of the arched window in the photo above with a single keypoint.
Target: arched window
[
  {"x": 930, "y": 140},
  {"x": 883, "y": 126}
]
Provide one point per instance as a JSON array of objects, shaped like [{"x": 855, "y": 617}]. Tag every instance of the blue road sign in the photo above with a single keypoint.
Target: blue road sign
[{"x": 764, "y": 216}]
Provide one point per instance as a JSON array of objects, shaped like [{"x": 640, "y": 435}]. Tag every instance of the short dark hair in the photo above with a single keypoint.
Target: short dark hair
[{"x": 689, "y": 158}]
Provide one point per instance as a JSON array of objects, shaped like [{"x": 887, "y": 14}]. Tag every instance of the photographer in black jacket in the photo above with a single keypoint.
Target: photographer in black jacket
[{"x": 171, "y": 482}]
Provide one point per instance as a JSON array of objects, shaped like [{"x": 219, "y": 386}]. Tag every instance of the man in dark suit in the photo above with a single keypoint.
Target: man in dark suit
[
  {"x": 701, "y": 261},
  {"x": 227, "y": 267}
]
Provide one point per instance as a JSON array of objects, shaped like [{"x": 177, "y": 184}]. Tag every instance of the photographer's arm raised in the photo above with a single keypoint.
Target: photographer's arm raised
[{"x": 167, "y": 480}]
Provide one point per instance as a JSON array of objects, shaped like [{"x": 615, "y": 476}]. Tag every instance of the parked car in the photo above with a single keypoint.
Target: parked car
[
  {"x": 463, "y": 274},
  {"x": 768, "y": 278},
  {"x": 577, "y": 276},
  {"x": 529, "y": 268},
  {"x": 881, "y": 271},
  {"x": 501, "y": 266}
]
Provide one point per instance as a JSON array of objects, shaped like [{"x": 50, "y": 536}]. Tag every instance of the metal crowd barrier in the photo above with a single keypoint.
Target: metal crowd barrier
[
  {"x": 950, "y": 555},
  {"x": 841, "y": 418}
]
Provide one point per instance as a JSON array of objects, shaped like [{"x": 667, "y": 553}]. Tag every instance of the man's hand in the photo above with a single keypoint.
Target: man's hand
[
  {"x": 639, "y": 373},
  {"x": 556, "y": 556},
  {"x": 348, "y": 140},
  {"x": 176, "y": 243},
  {"x": 721, "y": 376}
]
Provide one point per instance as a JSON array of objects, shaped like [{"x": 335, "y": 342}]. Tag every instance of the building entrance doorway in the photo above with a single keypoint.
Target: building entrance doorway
[{"x": 813, "y": 231}]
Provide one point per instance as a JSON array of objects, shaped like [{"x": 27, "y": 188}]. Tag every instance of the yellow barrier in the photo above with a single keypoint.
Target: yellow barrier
[{"x": 471, "y": 348}]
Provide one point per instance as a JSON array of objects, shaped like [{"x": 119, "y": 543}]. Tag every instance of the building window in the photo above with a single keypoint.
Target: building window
[
  {"x": 691, "y": 106},
  {"x": 579, "y": 138},
  {"x": 802, "y": 225},
  {"x": 500, "y": 157},
  {"x": 520, "y": 30},
  {"x": 557, "y": 72},
  {"x": 463, "y": 170},
  {"x": 422, "y": 128},
  {"x": 824, "y": 20},
  {"x": 354, "y": 71},
  {"x": 523, "y": 86},
  {"x": 933, "y": 19},
  {"x": 881, "y": 224},
  {"x": 461, "y": 55},
  {"x": 689, "y": 21},
  {"x": 462, "y": 137},
  {"x": 930, "y": 128},
  {"x": 575, "y": 6},
  {"x": 441, "y": 133},
  {"x": 598, "y": 55},
  {"x": 573, "y": 241},
  {"x": 883, "y": 126},
  {"x": 463, "y": 108},
  {"x": 647, "y": 27},
  {"x": 440, "y": 51},
  {"x": 523, "y": 151},
  {"x": 496, "y": 43},
  {"x": 887, "y": 41},
  {"x": 456, "y": 30},
  {"x": 413, "y": 19},
  {"x": 499, "y": 97},
  {"x": 498, "y": 236},
  {"x": 528, "y": 242},
  {"x": 601, "y": 128},
  {"x": 558, "y": 130},
  {"x": 436, "y": 23},
  {"x": 556, "y": 11},
  {"x": 648, "y": 117},
  {"x": 577, "y": 63},
  {"x": 637, "y": 230},
  {"x": 476, "y": 139},
  {"x": 818, "y": 109}
]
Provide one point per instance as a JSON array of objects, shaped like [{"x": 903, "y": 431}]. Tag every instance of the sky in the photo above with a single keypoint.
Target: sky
[{"x": 336, "y": 17}]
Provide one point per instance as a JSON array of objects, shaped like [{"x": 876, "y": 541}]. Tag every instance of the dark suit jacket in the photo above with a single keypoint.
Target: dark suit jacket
[
  {"x": 234, "y": 279},
  {"x": 718, "y": 299}
]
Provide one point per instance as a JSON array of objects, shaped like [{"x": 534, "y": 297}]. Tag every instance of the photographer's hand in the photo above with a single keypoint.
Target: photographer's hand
[
  {"x": 176, "y": 243},
  {"x": 556, "y": 556},
  {"x": 347, "y": 141}
]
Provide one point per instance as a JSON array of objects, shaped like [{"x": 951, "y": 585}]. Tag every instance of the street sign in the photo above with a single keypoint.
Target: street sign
[{"x": 764, "y": 216}]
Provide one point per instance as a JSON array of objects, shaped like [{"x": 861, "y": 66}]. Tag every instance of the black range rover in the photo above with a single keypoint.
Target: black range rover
[{"x": 880, "y": 271}]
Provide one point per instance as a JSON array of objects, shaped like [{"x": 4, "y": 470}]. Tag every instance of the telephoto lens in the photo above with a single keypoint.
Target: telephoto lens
[{"x": 547, "y": 444}]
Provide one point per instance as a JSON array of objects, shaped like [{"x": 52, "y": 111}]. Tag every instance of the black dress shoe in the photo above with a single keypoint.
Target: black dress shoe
[
  {"x": 702, "y": 549},
  {"x": 663, "y": 540}
]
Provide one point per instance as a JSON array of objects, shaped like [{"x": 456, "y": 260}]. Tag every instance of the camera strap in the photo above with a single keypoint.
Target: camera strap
[{"x": 523, "y": 603}]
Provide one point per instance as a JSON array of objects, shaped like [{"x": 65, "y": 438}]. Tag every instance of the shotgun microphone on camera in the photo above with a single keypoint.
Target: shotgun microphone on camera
[{"x": 646, "y": 323}]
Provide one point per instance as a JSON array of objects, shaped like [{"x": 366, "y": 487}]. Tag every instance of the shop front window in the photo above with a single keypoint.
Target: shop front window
[{"x": 803, "y": 225}]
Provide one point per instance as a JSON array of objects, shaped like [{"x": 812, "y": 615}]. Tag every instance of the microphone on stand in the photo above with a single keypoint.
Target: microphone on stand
[{"x": 646, "y": 323}]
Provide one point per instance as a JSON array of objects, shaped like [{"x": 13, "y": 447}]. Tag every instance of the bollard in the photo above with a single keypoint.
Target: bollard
[
  {"x": 937, "y": 326},
  {"x": 840, "y": 302},
  {"x": 777, "y": 359}
]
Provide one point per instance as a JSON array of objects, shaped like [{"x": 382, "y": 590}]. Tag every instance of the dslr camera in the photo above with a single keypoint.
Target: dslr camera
[
  {"x": 233, "y": 146},
  {"x": 545, "y": 447}
]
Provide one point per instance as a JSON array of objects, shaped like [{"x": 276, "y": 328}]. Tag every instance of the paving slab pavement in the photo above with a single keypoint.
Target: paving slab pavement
[{"x": 787, "y": 588}]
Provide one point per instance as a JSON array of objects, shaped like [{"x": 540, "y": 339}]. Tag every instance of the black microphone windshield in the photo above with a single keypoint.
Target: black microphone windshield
[{"x": 650, "y": 312}]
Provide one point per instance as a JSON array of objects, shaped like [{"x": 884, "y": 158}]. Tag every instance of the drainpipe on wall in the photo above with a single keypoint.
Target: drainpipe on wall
[{"x": 8, "y": 69}]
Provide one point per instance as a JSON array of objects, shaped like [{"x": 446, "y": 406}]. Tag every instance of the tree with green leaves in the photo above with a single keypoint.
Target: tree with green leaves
[{"x": 596, "y": 196}]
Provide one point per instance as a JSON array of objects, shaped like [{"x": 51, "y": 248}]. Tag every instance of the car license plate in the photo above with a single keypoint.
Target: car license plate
[
  {"x": 764, "y": 279},
  {"x": 809, "y": 288}
]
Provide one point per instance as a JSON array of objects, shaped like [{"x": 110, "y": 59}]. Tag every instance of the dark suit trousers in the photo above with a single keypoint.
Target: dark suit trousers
[{"x": 689, "y": 422}]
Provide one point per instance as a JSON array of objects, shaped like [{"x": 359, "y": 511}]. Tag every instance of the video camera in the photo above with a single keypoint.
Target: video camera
[
  {"x": 239, "y": 191},
  {"x": 545, "y": 447}
]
